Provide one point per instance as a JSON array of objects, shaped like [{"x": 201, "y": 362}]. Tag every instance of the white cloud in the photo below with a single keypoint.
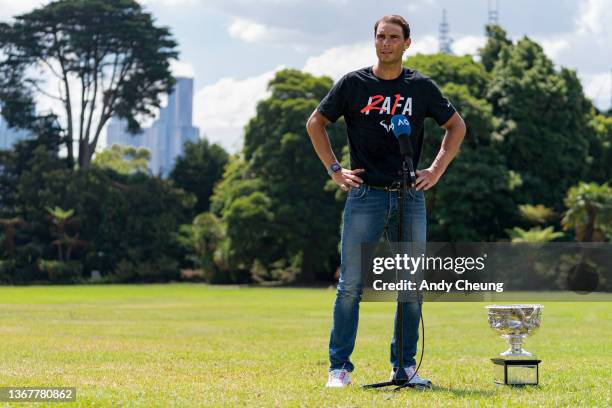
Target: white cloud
[
  {"x": 221, "y": 110},
  {"x": 594, "y": 17},
  {"x": 337, "y": 61},
  {"x": 9, "y": 9},
  {"x": 554, "y": 46},
  {"x": 587, "y": 48},
  {"x": 182, "y": 69},
  {"x": 254, "y": 32},
  {"x": 597, "y": 87},
  {"x": 248, "y": 31},
  {"x": 167, "y": 2},
  {"x": 468, "y": 44},
  {"x": 427, "y": 44}
]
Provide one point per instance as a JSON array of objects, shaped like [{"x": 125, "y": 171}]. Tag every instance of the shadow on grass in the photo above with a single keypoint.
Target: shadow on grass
[
  {"x": 462, "y": 392},
  {"x": 457, "y": 392}
]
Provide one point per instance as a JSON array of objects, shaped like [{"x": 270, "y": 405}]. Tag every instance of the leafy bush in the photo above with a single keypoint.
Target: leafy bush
[{"x": 61, "y": 272}]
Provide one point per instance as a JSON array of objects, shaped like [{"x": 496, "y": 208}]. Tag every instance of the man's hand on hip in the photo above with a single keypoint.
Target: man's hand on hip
[
  {"x": 426, "y": 179},
  {"x": 346, "y": 178}
]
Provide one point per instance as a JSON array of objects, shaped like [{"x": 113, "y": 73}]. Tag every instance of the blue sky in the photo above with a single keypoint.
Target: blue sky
[{"x": 233, "y": 47}]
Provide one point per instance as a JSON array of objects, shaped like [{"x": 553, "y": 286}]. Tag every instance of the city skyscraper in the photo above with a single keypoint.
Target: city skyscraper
[{"x": 167, "y": 136}]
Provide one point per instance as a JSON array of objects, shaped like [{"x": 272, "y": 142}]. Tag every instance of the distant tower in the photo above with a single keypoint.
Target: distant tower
[
  {"x": 493, "y": 11},
  {"x": 443, "y": 37}
]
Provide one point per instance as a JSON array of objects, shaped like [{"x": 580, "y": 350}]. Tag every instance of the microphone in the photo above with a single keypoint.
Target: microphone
[{"x": 402, "y": 130}]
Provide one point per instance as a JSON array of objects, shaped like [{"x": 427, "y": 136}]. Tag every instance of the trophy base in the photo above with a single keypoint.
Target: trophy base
[
  {"x": 516, "y": 371},
  {"x": 512, "y": 353}
]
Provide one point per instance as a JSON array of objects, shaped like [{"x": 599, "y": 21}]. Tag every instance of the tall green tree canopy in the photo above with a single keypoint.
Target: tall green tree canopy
[
  {"x": 123, "y": 159},
  {"x": 497, "y": 38},
  {"x": 445, "y": 68},
  {"x": 107, "y": 57},
  {"x": 198, "y": 170},
  {"x": 476, "y": 186},
  {"x": 302, "y": 218},
  {"x": 544, "y": 121},
  {"x": 600, "y": 149}
]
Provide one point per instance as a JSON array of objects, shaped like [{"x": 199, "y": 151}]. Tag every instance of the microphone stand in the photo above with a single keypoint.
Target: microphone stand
[{"x": 400, "y": 379}]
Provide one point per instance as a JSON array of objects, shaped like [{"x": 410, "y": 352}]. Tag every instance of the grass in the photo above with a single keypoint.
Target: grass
[{"x": 197, "y": 345}]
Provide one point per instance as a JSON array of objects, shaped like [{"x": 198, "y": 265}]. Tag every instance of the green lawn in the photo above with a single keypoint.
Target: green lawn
[{"x": 197, "y": 345}]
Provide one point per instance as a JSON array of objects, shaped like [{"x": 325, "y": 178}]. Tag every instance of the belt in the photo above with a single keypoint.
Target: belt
[{"x": 395, "y": 186}]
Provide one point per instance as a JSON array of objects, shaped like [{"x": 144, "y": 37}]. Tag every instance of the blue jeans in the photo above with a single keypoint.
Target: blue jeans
[{"x": 368, "y": 212}]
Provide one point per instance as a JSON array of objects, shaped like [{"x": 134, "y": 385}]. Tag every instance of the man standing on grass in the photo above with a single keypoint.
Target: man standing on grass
[{"x": 368, "y": 98}]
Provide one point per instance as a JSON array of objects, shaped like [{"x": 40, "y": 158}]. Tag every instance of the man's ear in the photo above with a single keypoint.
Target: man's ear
[{"x": 407, "y": 43}]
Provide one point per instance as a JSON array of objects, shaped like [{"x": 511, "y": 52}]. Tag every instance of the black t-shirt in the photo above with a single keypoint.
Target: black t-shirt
[{"x": 368, "y": 103}]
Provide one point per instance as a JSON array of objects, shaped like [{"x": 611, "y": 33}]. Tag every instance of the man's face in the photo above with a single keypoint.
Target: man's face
[{"x": 390, "y": 43}]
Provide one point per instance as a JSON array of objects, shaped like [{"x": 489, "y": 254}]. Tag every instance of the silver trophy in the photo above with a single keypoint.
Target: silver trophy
[{"x": 515, "y": 366}]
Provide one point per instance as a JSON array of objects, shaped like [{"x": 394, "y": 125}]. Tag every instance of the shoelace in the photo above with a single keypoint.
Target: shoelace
[{"x": 338, "y": 374}]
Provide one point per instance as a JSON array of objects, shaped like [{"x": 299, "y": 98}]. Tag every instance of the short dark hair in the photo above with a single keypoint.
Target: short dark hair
[{"x": 395, "y": 19}]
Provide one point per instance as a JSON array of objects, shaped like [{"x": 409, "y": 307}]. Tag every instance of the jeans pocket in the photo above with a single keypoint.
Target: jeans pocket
[
  {"x": 356, "y": 193},
  {"x": 416, "y": 195}
]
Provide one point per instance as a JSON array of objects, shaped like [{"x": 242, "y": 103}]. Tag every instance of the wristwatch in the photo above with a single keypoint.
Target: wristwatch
[{"x": 334, "y": 168}]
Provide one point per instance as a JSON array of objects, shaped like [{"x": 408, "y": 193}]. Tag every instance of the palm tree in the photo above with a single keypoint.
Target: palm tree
[
  {"x": 589, "y": 211},
  {"x": 61, "y": 220}
]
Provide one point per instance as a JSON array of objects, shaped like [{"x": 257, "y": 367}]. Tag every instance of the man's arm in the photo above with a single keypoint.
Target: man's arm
[
  {"x": 455, "y": 131},
  {"x": 320, "y": 140}
]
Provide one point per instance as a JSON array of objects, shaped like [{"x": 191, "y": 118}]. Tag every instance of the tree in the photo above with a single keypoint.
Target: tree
[
  {"x": 106, "y": 57},
  {"x": 62, "y": 220},
  {"x": 279, "y": 152},
  {"x": 445, "y": 69},
  {"x": 8, "y": 240},
  {"x": 537, "y": 214},
  {"x": 203, "y": 238},
  {"x": 292, "y": 218},
  {"x": 543, "y": 122},
  {"x": 123, "y": 159},
  {"x": 473, "y": 200},
  {"x": 198, "y": 170},
  {"x": 600, "y": 149},
  {"x": 589, "y": 211},
  {"x": 497, "y": 39},
  {"x": 534, "y": 235}
]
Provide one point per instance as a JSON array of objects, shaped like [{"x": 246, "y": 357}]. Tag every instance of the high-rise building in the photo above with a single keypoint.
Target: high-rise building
[
  {"x": 166, "y": 138},
  {"x": 8, "y": 136}
]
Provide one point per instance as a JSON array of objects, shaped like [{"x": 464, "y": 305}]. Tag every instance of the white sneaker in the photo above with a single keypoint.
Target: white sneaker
[
  {"x": 338, "y": 379},
  {"x": 416, "y": 379}
]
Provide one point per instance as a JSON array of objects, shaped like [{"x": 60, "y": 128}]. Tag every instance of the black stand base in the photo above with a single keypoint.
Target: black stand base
[
  {"x": 399, "y": 381},
  {"x": 516, "y": 372},
  {"x": 398, "y": 385}
]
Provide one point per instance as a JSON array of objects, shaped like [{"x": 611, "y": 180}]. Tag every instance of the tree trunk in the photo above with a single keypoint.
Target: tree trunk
[
  {"x": 84, "y": 156},
  {"x": 589, "y": 229},
  {"x": 70, "y": 152},
  {"x": 9, "y": 238}
]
